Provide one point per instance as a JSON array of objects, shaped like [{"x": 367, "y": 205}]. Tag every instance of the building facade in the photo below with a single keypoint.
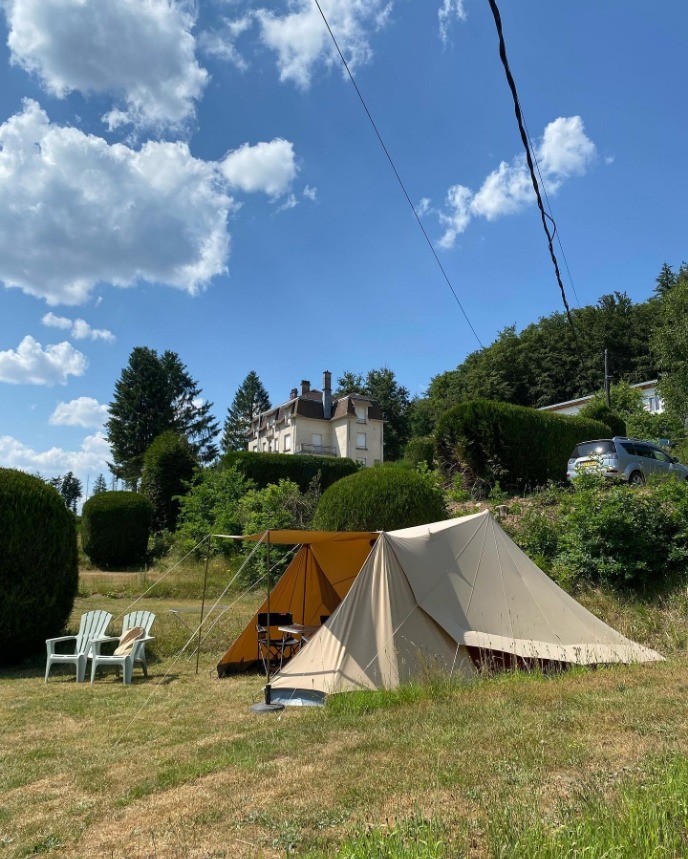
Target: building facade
[
  {"x": 316, "y": 423},
  {"x": 651, "y": 401}
]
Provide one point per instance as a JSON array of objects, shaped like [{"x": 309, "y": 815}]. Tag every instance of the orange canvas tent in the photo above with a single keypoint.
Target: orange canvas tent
[{"x": 313, "y": 585}]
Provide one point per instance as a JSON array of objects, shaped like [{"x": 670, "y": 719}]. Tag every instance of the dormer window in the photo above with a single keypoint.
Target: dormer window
[{"x": 361, "y": 414}]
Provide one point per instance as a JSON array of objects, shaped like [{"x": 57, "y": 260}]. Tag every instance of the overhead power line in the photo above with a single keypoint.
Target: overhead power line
[
  {"x": 396, "y": 173},
  {"x": 546, "y": 218}
]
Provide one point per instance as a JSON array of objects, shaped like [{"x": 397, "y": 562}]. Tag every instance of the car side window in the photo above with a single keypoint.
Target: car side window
[
  {"x": 643, "y": 450},
  {"x": 628, "y": 447},
  {"x": 661, "y": 456}
]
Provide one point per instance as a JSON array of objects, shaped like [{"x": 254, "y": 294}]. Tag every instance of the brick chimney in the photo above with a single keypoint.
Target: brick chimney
[
  {"x": 293, "y": 394},
  {"x": 305, "y": 386},
  {"x": 327, "y": 395}
]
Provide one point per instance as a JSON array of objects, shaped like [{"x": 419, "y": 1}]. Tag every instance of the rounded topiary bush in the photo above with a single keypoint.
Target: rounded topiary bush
[
  {"x": 380, "y": 499},
  {"x": 115, "y": 527},
  {"x": 38, "y": 564}
]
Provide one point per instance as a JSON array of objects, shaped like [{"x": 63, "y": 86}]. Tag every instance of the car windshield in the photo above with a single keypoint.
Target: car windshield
[{"x": 593, "y": 448}]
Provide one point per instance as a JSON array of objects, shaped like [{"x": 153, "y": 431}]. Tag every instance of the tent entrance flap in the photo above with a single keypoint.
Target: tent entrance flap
[{"x": 312, "y": 587}]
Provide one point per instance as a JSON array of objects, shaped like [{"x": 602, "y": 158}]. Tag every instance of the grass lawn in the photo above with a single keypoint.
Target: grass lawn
[{"x": 586, "y": 763}]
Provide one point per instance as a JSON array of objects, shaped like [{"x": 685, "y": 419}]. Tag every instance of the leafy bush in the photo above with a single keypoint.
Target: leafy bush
[
  {"x": 598, "y": 410},
  {"x": 210, "y": 507},
  {"x": 38, "y": 564},
  {"x": 279, "y": 505},
  {"x": 383, "y": 498},
  {"x": 513, "y": 445},
  {"x": 420, "y": 449},
  {"x": 168, "y": 467},
  {"x": 115, "y": 527},
  {"x": 611, "y": 534},
  {"x": 269, "y": 468}
]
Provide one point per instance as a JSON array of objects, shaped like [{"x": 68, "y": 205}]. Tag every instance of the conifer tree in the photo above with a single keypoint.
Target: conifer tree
[
  {"x": 155, "y": 393},
  {"x": 249, "y": 401}
]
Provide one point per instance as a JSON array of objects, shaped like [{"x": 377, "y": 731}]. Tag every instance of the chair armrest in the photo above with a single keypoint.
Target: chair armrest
[
  {"x": 96, "y": 643},
  {"x": 51, "y": 642}
]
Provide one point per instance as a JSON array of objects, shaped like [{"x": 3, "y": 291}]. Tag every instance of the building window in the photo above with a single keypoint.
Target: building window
[
  {"x": 316, "y": 439},
  {"x": 361, "y": 461},
  {"x": 376, "y": 462},
  {"x": 287, "y": 442},
  {"x": 360, "y": 441},
  {"x": 361, "y": 414}
]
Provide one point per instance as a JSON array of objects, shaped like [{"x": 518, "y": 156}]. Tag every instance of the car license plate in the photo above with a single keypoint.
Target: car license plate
[{"x": 588, "y": 464}]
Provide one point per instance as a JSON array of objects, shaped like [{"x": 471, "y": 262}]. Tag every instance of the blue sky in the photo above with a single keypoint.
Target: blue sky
[{"x": 201, "y": 177}]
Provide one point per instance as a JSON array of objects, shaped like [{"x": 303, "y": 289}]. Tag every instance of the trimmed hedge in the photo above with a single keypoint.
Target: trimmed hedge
[
  {"x": 516, "y": 446},
  {"x": 115, "y": 527},
  {"x": 38, "y": 564},
  {"x": 599, "y": 411},
  {"x": 383, "y": 498},
  {"x": 266, "y": 468}
]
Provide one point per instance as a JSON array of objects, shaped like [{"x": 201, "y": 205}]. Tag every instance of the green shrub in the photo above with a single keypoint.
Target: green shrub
[
  {"x": 420, "y": 449},
  {"x": 115, "y": 527},
  {"x": 210, "y": 507},
  {"x": 168, "y": 466},
  {"x": 266, "y": 468},
  {"x": 620, "y": 536},
  {"x": 381, "y": 499},
  {"x": 598, "y": 410},
  {"x": 516, "y": 446},
  {"x": 38, "y": 564}
]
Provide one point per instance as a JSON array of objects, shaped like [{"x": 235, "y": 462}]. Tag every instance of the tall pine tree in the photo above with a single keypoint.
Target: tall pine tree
[
  {"x": 250, "y": 399},
  {"x": 155, "y": 393}
]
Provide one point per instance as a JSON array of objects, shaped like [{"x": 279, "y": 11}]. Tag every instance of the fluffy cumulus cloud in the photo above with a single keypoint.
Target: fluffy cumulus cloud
[
  {"x": 91, "y": 457},
  {"x": 31, "y": 364},
  {"x": 268, "y": 167},
  {"x": 139, "y": 52},
  {"x": 564, "y": 151},
  {"x": 81, "y": 412},
  {"x": 76, "y": 211},
  {"x": 301, "y": 42},
  {"x": 78, "y": 328}
]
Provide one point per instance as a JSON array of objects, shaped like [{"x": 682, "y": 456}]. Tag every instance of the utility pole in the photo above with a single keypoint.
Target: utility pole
[{"x": 607, "y": 380}]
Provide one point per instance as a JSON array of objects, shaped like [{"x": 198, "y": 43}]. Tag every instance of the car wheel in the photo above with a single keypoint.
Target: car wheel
[{"x": 636, "y": 479}]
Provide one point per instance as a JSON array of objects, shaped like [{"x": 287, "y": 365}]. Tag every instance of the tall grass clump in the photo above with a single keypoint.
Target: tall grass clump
[{"x": 645, "y": 819}]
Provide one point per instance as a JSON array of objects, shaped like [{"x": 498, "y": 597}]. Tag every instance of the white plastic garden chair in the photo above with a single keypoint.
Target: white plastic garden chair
[{"x": 93, "y": 625}]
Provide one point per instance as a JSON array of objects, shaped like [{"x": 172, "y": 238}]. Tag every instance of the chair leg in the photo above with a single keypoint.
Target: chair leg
[
  {"x": 48, "y": 666},
  {"x": 80, "y": 668},
  {"x": 128, "y": 671}
]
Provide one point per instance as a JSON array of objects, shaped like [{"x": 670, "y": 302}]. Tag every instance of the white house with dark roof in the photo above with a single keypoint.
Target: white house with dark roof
[{"x": 317, "y": 423}]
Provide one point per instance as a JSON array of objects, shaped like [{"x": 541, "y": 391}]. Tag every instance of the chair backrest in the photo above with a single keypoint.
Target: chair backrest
[
  {"x": 275, "y": 618},
  {"x": 93, "y": 624},
  {"x": 146, "y": 619}
]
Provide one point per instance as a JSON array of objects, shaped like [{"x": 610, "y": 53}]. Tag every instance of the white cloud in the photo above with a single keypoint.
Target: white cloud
[
  {"x": 91, "y": 457},
  {"x": 53, "y": 321},
  {"x": 301, "y": 41},
  {"x": 269, "y": 167},
  {"x": 564, "y": 151},
  {"x": 222, "y": 44},
  {"x": 310, "y": 193},
  {"x": 141, "y": 52},
  {"x": 91, "y": 213},
  {"x": 31, "y": 364},
  {"x": 448, "y": 11},
  {"x": 79, "y": 328},
  {"x": 82, "y": 412},
  {"x": 290, "y": 203}
]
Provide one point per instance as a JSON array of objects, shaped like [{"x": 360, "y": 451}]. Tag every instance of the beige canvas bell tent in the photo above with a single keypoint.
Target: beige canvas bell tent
[
  {"x": 313, "y": 585},
  {"x": 444, "y": 597}
]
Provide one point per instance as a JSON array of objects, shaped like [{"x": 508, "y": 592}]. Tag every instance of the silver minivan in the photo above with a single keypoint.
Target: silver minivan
[{"x": 624, "y": 459}]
